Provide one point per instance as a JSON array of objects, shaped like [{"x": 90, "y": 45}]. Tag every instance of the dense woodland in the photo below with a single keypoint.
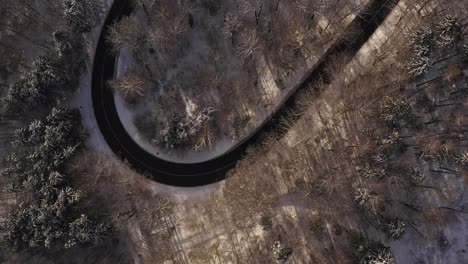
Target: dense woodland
[
  {"x": 373, "y": 162},
  {"x": 184, "y": 57},
  {"x": 43, "y": 212}
]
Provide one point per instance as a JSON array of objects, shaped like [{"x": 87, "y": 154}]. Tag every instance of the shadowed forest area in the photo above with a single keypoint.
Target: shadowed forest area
[{"x": 369, "y": 166}]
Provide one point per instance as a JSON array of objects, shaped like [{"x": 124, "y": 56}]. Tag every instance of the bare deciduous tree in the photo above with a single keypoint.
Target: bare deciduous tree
[
  {"x": 252, "y": 6},
  {"x": 232, "y": 24},
  {"x": 126, "y": 33},
  {"x": 248, "y": 45},
  {"x": 130, "y": 85}
]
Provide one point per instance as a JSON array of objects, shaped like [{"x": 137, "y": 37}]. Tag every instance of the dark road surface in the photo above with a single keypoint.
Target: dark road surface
[{"x": 197, "y": 174}]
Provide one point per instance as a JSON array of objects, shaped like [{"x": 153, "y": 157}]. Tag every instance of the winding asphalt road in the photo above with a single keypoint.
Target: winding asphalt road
[{"x": 197, "y": 174}]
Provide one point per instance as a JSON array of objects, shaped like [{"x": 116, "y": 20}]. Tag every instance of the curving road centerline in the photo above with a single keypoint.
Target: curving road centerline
[{"x": 197, "y": 174}]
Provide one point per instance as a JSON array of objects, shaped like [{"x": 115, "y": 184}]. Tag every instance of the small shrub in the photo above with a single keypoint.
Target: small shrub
[
  {"x": 372, "y": 172},
  {"x": 84, "y": 231},
  {"x": 181, "y": 131},
  {"x": 462, "y": 158},
  {"x": 392, "y": 139},
  {"x": 420, "y": 42},
  {"x": 395, "y": 228},
  {"x": 281, "y": 252},
  {"x": 416, "y": 176},
  {"x": 362, "y": 197},
  {"x": 397, "y": 111}
]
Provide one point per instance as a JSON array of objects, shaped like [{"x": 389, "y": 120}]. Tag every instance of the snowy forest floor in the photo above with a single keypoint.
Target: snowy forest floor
[
  {"x": 272, "y": 195},
  {"x": 221, "y": 224},
  {"x": 235, "y": 90}
]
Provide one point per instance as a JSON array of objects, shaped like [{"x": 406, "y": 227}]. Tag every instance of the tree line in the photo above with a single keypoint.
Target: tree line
[{"x": 46, "y": 211}]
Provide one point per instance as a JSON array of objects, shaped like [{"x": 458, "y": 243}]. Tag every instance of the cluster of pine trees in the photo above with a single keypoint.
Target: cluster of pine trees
[
  {"x": 56, "y": 73},
  {"x": 46, "y": 212},
  {"x": 432, "y": 40},
  {"x": 45, "y": 215}
]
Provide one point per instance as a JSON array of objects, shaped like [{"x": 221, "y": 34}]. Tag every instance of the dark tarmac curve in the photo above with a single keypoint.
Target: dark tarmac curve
[{"x": 198, "y": 174}]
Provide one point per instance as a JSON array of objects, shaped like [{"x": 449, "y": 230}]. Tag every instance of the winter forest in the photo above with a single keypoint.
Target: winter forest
[{"x": 233, "y": 131}]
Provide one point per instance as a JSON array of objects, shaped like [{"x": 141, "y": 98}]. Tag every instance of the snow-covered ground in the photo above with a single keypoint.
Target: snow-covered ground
[
  {"x": 273, "y": 85},
  {"x": 406, "y": 250}
]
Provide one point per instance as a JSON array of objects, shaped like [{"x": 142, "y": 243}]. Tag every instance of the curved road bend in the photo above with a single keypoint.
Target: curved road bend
[{"x": 197, "y": 174}]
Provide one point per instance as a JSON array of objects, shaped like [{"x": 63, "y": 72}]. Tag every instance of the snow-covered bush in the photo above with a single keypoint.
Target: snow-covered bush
[
  {"x": 436, "y": 38},
  {"x": 84, "y": 231},
  {"x": 362, "y": 197},
  {"x": 392, "y": 139},
  {"x": 449, "y": 32},
  {"x": 43, "y": 146},
  {"x": 420, "y": 42},
  {"x": 34, "y": 170},
  {"x": 182, "y": 130},
  {"x": 396, "y": 111},
  {"x": 395, "y": 228},
  {"x": 419, "y": 65},
  {"x": 372, "y": 172},
  {"x": 416, "y": 176},
  {"x": 280, "y": 251},
  {"x": 82, "y": 15}
]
